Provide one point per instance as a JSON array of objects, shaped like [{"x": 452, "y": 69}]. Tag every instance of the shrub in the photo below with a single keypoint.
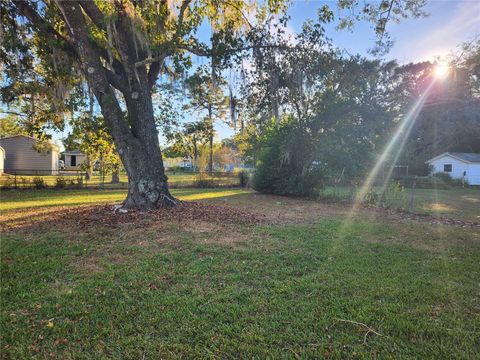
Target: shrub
[
  {"x": 60, "y": 182},
  {"x": 393, "y": 195},
  {"x": 286, "y": 163},
  {"x": 38, "y": 182},
  {"x": 204, "y": 180},
  {"x": 448, "y": 179},
  {"x": 371, "y": 198},
  {"x": 23, "y": 181}
]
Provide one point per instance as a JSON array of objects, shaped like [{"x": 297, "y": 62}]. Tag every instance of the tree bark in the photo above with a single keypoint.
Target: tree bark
[{"x": 135, "y": 135}]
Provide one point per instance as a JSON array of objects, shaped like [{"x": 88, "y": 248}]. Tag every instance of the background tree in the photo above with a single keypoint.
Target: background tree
[
  {"x": 90, "y": 136},
  {"x": 207, "y": 96}
]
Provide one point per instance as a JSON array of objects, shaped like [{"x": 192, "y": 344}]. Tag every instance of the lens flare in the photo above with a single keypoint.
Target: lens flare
[
  {"x": 441, "y": 71},
  {"x": 397, "y": 142}
]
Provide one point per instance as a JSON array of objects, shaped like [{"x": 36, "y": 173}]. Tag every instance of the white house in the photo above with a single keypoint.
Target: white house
[{"x": 458, "y": 165}]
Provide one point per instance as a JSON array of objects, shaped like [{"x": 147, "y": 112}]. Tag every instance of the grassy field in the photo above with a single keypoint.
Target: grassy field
[
  {"x": 176, "y": 179},
  {"x": 305, "y": 282},
  {"x": 455, "y": 203},
  {"x": 12, "y": 200}
]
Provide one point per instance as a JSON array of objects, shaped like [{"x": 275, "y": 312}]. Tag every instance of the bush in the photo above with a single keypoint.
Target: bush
[
  {"x": 204, "y": 181},
  {"x": 286, "y": 163},
  {"x": 60, "y": 182},
  {"x": 448, "y": 179},
  {"x": 38, "y": 182}
]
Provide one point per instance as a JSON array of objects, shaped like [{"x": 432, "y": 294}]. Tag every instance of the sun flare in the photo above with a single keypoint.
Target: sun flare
[{"x": 441, "y": 71}]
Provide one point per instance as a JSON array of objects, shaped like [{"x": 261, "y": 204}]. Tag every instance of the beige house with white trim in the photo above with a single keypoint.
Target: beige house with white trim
[{"x": 25, "y": 155}]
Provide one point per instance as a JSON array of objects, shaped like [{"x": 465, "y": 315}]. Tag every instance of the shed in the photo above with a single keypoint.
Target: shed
[
  {"x": 458, "y": 166},
  {"x": 74, "y": 159},
  {"x": 25, "y": 155}
]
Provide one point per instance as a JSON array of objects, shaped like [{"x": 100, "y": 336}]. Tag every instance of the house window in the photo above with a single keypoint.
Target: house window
[
  {"x": 447, "y": 167},
  {"x": 73, "y": 160}
]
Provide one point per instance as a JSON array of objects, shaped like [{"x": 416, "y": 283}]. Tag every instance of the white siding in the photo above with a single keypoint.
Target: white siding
[
  {"x": 81, "y": 158},
  {"x": 21, "y": 157},
  {"x": 473, "y": 174}
]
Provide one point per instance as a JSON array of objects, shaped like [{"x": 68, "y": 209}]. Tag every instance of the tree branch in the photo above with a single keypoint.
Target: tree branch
[
  {"x": 45, "y": 29},
  {"x": 94, "y": 71},
  {"x": 13, "y": 113},
  {"x": 157, "y": 62},
  {"x": 93, "y": 13}
]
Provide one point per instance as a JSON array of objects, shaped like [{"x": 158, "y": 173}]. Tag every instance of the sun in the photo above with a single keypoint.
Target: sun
[{"x": 441, "y": 71}]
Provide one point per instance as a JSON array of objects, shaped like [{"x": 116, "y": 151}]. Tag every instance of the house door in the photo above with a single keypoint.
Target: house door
[{"x": 73, "y": 160}]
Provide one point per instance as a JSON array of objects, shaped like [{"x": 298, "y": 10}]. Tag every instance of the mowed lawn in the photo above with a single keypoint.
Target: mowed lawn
[
  {"x": 456, "y": 203},
  {"x": 306, "y": 282}
]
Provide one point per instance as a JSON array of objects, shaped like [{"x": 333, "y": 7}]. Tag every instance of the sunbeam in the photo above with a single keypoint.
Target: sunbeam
[
  {"x": 397, "y": 142},
  {"x": 403, "y": 130}
]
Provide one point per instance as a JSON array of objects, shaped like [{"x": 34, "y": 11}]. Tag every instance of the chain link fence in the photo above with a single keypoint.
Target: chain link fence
[{"x": 76, "y": 179}]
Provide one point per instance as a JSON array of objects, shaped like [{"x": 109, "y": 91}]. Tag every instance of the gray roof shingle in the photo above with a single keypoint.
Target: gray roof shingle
[{"x": 470, "y": 157}]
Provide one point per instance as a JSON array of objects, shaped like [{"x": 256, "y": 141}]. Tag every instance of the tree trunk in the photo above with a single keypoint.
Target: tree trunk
[
  {"x": 210, "y": 162},
  {"x": 195, "y": 150},
  {"x": 147, "y": 182},
  {"x": 115, "y": 175},
  {"x": 135, "y": 135}
]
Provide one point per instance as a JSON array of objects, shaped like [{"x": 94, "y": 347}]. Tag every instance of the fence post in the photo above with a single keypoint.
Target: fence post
[
  {"x": 412, "y": 194},
  {"x": 352, "y": 193}
]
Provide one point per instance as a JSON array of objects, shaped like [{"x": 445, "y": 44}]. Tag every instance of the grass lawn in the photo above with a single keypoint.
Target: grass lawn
[
  {"x": 455, "y": 203},
  {"x": 176, "y": 179},
  {"x": 303, "y": 283},
  {"x": 23, "y": 199}
]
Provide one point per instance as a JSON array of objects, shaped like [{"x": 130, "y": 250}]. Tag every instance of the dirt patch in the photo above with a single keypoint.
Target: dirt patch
[
  {"x": 284, "y": 210},
  {"x": 87, "y": 217}
]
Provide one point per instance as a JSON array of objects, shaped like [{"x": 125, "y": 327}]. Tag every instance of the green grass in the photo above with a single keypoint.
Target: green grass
[
  {"x": 270, "y": 292},
  {"x": 456, "y": 203},
  {"x": 177, "y": 179}
]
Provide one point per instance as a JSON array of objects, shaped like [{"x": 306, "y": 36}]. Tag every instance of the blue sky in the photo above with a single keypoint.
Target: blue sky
[{"x": 449, "y": 23}]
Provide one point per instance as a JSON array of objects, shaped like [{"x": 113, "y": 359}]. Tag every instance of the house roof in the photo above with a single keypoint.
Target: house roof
[
  {"x": 73, "y": 152},
  {"x": 19, "y": 135},
  {"x": 465, "y": 157},
  {"x": 54, "y": 146}
]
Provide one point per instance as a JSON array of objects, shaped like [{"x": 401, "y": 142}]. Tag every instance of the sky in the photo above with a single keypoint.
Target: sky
[
  {"x": 449, "y": 23},
  {"x": 425, "y": 39}
]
